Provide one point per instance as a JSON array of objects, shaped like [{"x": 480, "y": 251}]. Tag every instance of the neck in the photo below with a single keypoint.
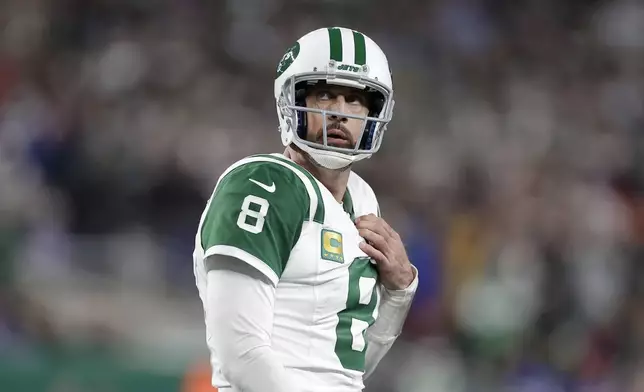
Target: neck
[{"x": 334, "y": 180}]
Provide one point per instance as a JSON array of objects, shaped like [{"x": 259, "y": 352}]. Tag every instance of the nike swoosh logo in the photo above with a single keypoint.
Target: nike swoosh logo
[{"x": 267, "y": 188}]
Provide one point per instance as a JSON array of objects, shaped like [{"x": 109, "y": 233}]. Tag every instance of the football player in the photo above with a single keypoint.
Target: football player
[{"x": 304, "y": 286}]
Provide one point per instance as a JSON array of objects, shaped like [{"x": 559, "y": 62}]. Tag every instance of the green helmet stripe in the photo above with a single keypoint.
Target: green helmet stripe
[
  {"x": 360, "y": 49},
  {"x": 335, "y": 43}
]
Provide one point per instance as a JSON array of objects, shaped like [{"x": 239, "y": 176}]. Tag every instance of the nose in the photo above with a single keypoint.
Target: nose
[{"x": 338, "y": 106}]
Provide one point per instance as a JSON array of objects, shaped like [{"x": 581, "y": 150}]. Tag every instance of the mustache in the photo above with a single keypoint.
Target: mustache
[{"x": 337, "y": 127}]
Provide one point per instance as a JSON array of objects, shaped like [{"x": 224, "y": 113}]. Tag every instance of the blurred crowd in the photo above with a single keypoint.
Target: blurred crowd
[{"x": 514, "y": 167}]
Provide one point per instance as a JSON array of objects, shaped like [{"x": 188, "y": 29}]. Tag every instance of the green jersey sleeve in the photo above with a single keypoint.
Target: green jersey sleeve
[{"x": 256, "y": 215}]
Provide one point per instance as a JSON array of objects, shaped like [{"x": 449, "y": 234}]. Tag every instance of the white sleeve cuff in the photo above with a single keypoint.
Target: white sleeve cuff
[
  {"x": 392, "y": 312},
  {"x": 407, "y": 294},
  {"x": 233, "y": 251}
]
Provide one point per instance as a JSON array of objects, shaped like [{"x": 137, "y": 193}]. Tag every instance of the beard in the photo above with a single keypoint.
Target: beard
[{"x": 338, "y": 135}]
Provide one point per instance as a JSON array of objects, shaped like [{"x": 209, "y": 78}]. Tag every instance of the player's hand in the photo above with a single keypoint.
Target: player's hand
[{"x": 384, "y": 245}]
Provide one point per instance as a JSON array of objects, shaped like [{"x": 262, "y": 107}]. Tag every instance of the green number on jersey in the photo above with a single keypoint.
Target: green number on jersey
[{"x": 358, "y": 315}]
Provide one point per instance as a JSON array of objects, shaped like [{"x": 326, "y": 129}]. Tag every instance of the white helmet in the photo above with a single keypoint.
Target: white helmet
[{"x": 336, "y": 56}]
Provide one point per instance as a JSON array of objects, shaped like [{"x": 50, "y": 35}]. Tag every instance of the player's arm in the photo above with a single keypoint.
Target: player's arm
[
  {"x": 392, "y": 312},
  {"x": 244, "y": 319},
  {"x": 399, "y": 280},
  {"x": 253, "y": 221}
]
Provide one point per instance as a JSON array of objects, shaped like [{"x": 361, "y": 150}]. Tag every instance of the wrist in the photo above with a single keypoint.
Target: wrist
[
  {"x": 404, "y": 281},
  {"x": 409, "y": 277}
]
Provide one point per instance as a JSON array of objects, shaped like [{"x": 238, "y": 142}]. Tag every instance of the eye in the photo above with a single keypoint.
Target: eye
[
  {"x": 323, "y": 95},
  {"x": 356, "y": 99}
]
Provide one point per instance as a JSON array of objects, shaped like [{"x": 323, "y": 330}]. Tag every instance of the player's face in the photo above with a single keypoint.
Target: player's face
[{"x": 341, "y": 131}]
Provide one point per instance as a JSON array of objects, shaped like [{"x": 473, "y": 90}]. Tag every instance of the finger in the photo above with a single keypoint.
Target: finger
[
  {"x": 381, "y": 228},
  {"x": 393, "y": 233},
  {"x": 374, "y": 238},
  {"x": 368, "y": 217},
  {"x": 374, "y": 253},
  {"x": 385, "y": 226},
  {"x": 373, "y": 225}
]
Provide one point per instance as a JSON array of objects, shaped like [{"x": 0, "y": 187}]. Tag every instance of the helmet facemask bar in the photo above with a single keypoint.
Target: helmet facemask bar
[{"x": 290, "y": 109}]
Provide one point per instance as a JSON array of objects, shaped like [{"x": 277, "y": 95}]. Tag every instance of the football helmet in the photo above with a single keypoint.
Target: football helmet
[{"x": 337, "y": 56}]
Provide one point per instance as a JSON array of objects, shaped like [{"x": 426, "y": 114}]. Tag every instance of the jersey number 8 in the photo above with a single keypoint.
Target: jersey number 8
[
  {"x": 359, "y": 313},
  {"x": 257, "y": 216}
]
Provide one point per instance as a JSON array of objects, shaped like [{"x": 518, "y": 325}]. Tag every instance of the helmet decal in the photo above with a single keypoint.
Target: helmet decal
[{"x": 288, "y": 58}]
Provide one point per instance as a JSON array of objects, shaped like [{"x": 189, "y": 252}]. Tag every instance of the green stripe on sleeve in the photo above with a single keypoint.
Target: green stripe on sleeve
[{"x": 319, "y": 211}]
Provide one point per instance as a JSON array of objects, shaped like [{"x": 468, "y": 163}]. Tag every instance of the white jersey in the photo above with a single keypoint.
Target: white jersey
[{"x": 271, "y": 213}]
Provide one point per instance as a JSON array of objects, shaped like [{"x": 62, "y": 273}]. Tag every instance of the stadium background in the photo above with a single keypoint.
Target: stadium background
[{"x": 513, "y": 167}]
